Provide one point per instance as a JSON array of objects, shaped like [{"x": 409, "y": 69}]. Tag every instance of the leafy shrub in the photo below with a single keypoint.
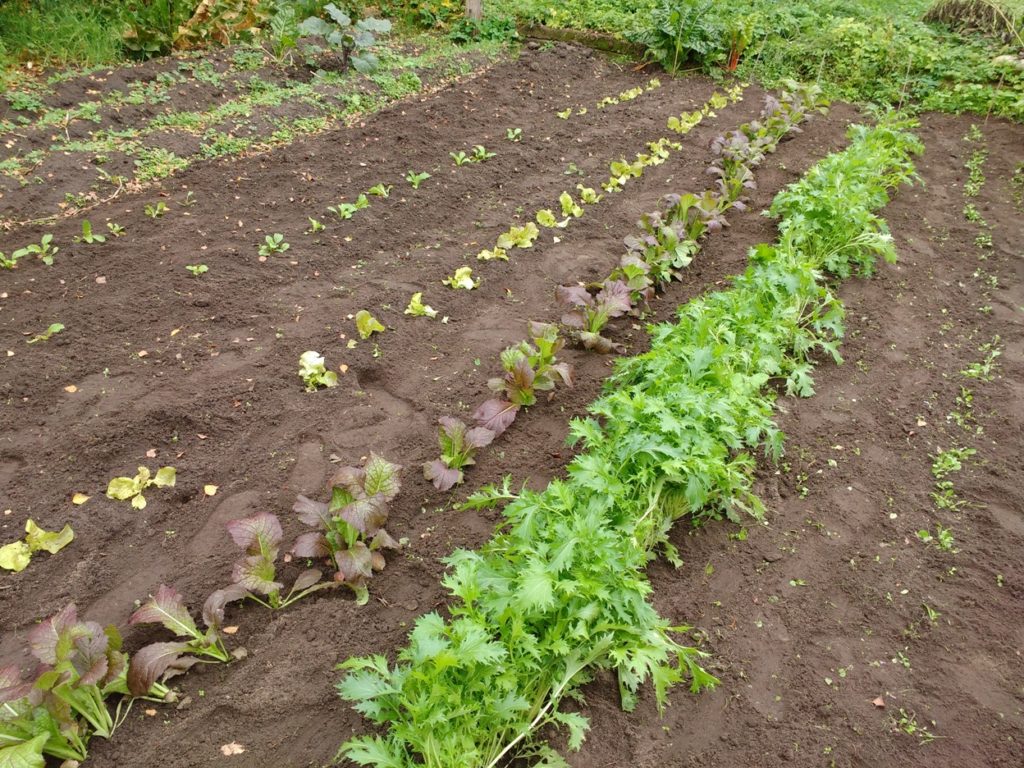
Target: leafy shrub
[{"x": 352, "y": 41}]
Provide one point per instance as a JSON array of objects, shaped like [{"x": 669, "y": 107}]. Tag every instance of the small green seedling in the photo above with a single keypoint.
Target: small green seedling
[
  {"x": 88, "y": 236},
  {"x": 943, "y": 538},
  {"x": 17, "y": 555},
  {"x": 115, "y": 229},
  {"x": 45, "y": 335},
  {"x": 546, "y": 218},
  {"x": 480, "y": 154},
  {"x": 367, "y": 324},
  {"x": 273, "y": 244},
  {"x": 197, "y": 269},
  {"x": 416, "y": 178},
  {"x": 493, "y": 254},
  {"x": 569, "y": 207},
  {"x": 417, "y": 308},
  {"x": 463, "y": 278},
  {"x": 156, "y": 211},
  {"x": 518, "y": 237},
  {"x": 314, "y": 226},
  {"x": 514, "y": 134},
  {"x": 460, "y": 158},
  {"x": 44, "y": 250},
  {"x": 190, "y": 199},
  {"x": 124, "y": 488},
  {"x": 380, "y": 190},
  {"x": 8, "y": 263},
  {"x": 588, "y": 195},
  {"x": 314, "y": 373},
  {"x": 565, "y": 113},
  {"x": 343, "y": 211}
]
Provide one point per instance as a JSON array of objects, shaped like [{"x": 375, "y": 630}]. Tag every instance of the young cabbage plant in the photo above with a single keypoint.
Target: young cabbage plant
[
  {"x": 314, "y": 373},
  {"x": 665, "y": 248},
  {"x": 417, "y": 308},
  {"x": 367, "y": 324},
  {"x": 260, "y": 537},
  {"x": 591, "y": 313},
  {"x": 459, "y": 443},
  {"x": 518, "y": 237},
  {"x": 353, "y": 42},
  {"x": 314, "y": 226},
  {"x": 197, "y": 269},
  {"x": 350, "y": 528},
  {"x": 17, "y": 555},
  {"x": 163, "y": 660},
  {"x": 514, "y": 134},
  {"x": 588, "y": 195},
  {"x": 124, "y": 488}
]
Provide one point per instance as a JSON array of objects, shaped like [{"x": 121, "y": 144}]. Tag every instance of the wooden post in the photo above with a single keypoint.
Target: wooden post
[{"x": 475, "y": 9}]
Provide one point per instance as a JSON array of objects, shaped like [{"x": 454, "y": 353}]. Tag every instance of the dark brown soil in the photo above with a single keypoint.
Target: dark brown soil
[{"x": 216, "y": 395}]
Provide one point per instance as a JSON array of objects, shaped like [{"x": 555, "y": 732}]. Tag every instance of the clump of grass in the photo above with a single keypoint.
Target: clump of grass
[
  {"x": 61, "y": 32},
  {"x": 1002, "y": 20}
]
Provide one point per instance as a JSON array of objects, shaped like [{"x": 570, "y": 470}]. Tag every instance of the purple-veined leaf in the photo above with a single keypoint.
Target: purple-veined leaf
[
  {"x": 614, "y": 298},
  {"x": 441, "y": 475},
  {"x": 479, "y": 437},
  {"x": 168, "y": 608},
  {"x": 43, "y": 640},
  {"x": 12, "y": 687},
  {"x": 311, "y": 545},
  {"x": 259, "y": 534},
  {"x": 313, "y": 513},
  {"x": 213, "y": 608},
  {"x": 574, "y": 320},
  {"x": 354, "y": 564},
  {"x": 152, "y": 662},
  {"x": 90, "y": 658},
  {"x": 574, "y": 296},
  {"x": 382, "y": 540},
  {"x": 563, "y": 371},
  {"x": 365, "y": 515},
  {"x": 307, "y": 579},
  {"x": 256, "y": 574},
  {"x": 495, "y": 415},
  {"x": 381, "y": 477},
  {"x": 538, "y": 330},
  {"x": 351, "y": 479},
  {"x": 521, "y": 379},
  {"x": 453, "y": 428}
]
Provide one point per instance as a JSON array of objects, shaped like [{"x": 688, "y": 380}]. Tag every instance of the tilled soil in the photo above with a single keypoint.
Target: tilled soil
[{"x": 203, "y": 371}]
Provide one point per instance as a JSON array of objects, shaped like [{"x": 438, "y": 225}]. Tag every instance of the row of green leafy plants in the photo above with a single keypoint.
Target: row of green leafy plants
[
  {"x": 670, "y": 240},
  {"x": 560, "y": 592},
  {"x": 84, "y": 684}
]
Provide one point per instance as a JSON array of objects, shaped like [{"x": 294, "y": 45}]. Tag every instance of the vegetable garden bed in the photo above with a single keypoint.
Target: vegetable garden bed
[{"x": 159, "y": 365}]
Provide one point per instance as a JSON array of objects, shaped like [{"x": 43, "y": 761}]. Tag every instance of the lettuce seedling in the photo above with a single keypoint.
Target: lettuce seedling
[
  {"x": 260, "y": 537},
  {"x": 161, "y": 661},
  {"x": 343, "y": 211},
  {"x": 459, "y": 443},
  {"x": 588, "y": 195},
  {"x": 463, "y": 278},
  {"x": 88, "y": 236},
  {"x": 480, "y": 154},
  {"x": 51, "y": 330},
  {"x": 686, "y": 122},
  {"x": 546, "y": 218},
  {"x": 314, "y": 373},
  {"x": 518, "y": 237},
  {"x": 8, "y": 263},
  {"x": 17, "y": 555},
  {"x": 314, "y": 226},
  {"x": 44, "y": 250},
  {"x": 367, "y": 324},
  {"x": 460, "y": 158},
  {"x": 380, "y": 190},
  {"x": 123, "y": 488},
  {"x": 156, "y": 211},
  {"x": 565, "y": 113},
  {"x": 416, "y": 178},
  {"x": 569, "y": 207},
  {"x": 197, "y": 269},
  {"x": 273, "y": 244},
  {"x": 514, "y": 134},
  {"x": 417, "y": 308},
  {"x": 493, "y": 254},
  {"x": 350, "y": 529},
  {"x": 590, "y": 313}
]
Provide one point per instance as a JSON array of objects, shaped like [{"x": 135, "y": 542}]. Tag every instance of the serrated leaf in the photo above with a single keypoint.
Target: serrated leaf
[
  {"x": 51, "y": 541},
  {"x": 381, "y": 477},
  {"x": 256, "y": 574},
  {"x": 365, "y": 515},
  {"x": 168, "y": 608},
  {"x": 259, "y": 534}
]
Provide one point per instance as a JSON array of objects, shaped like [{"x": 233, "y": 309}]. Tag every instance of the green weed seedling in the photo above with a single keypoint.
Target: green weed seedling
[
  {"x": 273, "y": 244},
  {"x": 197, "y": 269},
  {"x": 189, "y": 200},
  {"x": 943, "y": 538},
  {"x": 416, "y": 178},
  {"x": 44, "y": 250},
  {"x": 985, "y": 369},
  {"x": 156, "y": 211},
  {"x": 88, "y": 236}
]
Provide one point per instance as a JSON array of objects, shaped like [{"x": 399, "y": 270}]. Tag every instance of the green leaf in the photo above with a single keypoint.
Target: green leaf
[
  {"x": 122, "y": 488},
  {"x": 165, "y": 477},
  {"x": 51, "y": 541},
  {"x": 417, "y": 308},
  {"x": 367, "y": 324},
  {"x": 15, "y": 556},
  {"x": 28, "y": 754}
]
